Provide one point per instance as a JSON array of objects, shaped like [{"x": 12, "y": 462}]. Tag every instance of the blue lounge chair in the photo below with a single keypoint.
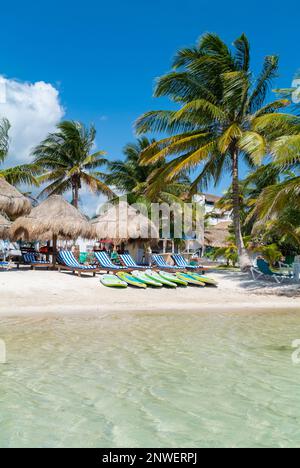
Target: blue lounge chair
[
  {"x": 106, "y": 264},
  {"x": 182, "y": 263},
  {"x": 67, "y": 261},
  {"x": 29, "y": 258},
  {"x": 129, "y": 262},
  {"x": 162, "y": 264},
  {"x": 263, "y": 270},
  {"x": 5, "y": 266}
]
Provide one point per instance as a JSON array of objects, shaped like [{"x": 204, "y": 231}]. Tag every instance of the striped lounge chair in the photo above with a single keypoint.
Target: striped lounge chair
[
  {"x": 67, "y": 261},
  {"x": 29, "y": 258},
  {"x": 182, "y": 263},
  {"x": 129, "y": 262},
  {"x": 106, "y": 264},
  {"x": 162, "y": 264},
  {"x": 5, "y": 266}
]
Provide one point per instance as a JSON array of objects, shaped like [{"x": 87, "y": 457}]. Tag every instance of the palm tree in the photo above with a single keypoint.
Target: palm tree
[
  {"x": 67, "y": 161},
  {"x": 130, "y": 177},
  {"x": 4, "y": 139},
  {"x": 251, "y": 189},
  {"x": 222, "y": 119},
  {"x": 22, "y": 174},
  {"x": 274, "y": 199}
]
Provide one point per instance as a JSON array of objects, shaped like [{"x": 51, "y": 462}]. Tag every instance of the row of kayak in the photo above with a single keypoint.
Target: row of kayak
[{"x": 143, "y": 279}]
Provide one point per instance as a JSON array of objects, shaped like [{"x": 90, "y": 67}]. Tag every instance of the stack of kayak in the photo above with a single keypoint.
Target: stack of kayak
[{"x": 154, "y": 279}]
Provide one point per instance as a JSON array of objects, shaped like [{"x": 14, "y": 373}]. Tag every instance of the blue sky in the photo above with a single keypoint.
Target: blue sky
[{"x": 103, "y": 57}]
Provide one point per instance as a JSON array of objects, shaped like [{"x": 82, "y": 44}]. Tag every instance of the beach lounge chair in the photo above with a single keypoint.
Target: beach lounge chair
[
  {"x": 129, "y": 262},
  {"x": 6, "y": 266},
  {"x": 263, "y": 270},
  {"x": 67, "y": 261},
  {"x": 163, "y": 265},
  {"x": 107, "y": 265},
  {"x": 30, "y": 259},
  {"x": 182, "y": 263}
]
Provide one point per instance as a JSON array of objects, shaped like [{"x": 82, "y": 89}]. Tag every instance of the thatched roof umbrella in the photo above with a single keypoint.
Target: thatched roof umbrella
[
  {"x": 4, "y": 227},
  {"x": 123, "y": 222},
  {"x": 12, "y": 202},
  {"x": 217, "y": 236},
  {"x": 52, "y": 219}
]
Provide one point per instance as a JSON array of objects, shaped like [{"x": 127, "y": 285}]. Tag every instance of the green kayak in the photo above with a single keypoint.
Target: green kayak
[
  {"x": 156, "y": 277},
  {"x": 129, "y": 279},
  {"x": 173, "y": 278},
  {"x": 141, "y": 275},
  {"x": 190, "y": 279},
  {"x": 112, "y": 281},
  {"x": 204, "y": 279}
]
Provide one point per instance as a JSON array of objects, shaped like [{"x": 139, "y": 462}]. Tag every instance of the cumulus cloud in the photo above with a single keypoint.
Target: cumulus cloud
[{"x": 33, "y": 110}]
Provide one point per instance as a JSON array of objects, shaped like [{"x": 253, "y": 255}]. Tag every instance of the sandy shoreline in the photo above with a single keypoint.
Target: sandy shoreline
[{"x": 42, "y": 292}]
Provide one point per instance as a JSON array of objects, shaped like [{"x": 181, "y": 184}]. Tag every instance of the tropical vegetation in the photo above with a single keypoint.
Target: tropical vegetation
[
  {"x": 22, "y": 174},
  {"x": 222, "y": 118},
  {"x": 68, "y": 162},
  {"x": 221, "y": 115},
  {"x": 129, "y": 177}
]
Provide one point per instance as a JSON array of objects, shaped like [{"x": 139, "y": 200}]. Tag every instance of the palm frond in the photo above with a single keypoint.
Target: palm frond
[
  {"x": 242, "y": 55},
  {"x": 4, "y": 138},
  {"x": 264, "y": 82}
]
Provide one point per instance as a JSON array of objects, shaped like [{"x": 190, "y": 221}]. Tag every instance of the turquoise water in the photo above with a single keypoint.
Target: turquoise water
[{"x": 151, "y": 380}]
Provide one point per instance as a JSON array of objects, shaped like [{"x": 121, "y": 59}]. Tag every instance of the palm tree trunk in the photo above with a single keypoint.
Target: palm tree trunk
[
  {"x": 75, "y": 196},
  {"x": 245, "y": 261}
]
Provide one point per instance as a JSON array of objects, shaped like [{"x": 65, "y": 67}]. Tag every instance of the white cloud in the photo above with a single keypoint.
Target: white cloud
[{"x": 33, "y": 110}]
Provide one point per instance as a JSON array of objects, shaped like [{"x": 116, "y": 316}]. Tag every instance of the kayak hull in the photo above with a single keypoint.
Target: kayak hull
[
  {"x": 190, "y": 279},
  {"x": 156, "y": 277},
  {"x": 111, "y": 281},
  {"x": 173, "y": 278},
  {"x": 205, "y": 279},
  {"x": 145, "y": 279},
  {"x": 131, "y": 280}
]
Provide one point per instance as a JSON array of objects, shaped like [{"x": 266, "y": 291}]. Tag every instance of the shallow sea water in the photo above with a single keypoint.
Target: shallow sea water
[{"x": 207, "y": 379}]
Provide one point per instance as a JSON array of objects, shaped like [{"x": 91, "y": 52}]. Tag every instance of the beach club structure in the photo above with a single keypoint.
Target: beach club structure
[
  {"x": 12, "y": 202},
  {"x": 52, "y": 220},
  {"x": 5, "y": 225},
  {"x": 55, "y": 220},
  {"x": 126, "y": 225}
]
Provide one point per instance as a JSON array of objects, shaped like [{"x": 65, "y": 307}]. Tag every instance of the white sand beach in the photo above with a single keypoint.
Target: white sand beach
[{"x": 43, "y": 292}]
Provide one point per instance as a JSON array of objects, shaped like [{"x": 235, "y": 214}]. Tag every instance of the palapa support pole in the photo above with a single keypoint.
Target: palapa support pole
[
  {"x": 54, "y": 251},
  {"x": 48, "y": 249}
]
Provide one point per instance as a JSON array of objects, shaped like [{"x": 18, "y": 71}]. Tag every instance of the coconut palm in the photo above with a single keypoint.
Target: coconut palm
[
  {"x": 130, "y": 177},
  {"x": 67, "y": 161},
  {"x": 222, "y": 119},
  {"x": 275, "y": 198},
  {"x": 22, "y": 174},
  {"x": 4, "y": 139}
]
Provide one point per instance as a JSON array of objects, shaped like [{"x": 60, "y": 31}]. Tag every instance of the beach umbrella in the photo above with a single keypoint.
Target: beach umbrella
[
  {"x": 4, "y": 227},
  {"x": 12, "y": 202},
  {"x": 53, "y": 219},
  {"x": 123, "y": 222}
]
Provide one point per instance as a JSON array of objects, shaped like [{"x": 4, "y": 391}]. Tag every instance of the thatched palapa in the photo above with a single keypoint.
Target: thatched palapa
[
  {"x": 12, "y": 202},
  {"x": 52, "y": 219},
  {"x": 217, "y": 236},
  {"x": 124, "y": 222},
  {"x": 4, "y": 227}
]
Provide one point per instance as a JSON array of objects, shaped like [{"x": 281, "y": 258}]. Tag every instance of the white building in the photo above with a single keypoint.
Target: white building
[{"x": 210, "y": 207}]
